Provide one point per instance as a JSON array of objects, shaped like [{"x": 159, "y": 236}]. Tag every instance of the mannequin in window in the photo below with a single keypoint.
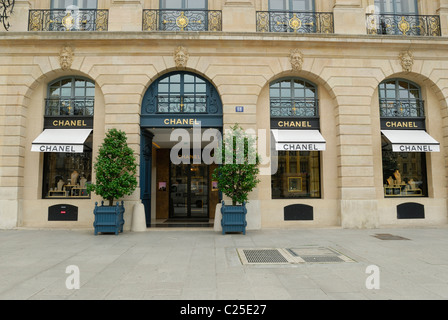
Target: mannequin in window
[
  {"x": 390, "y": 181},
  {"x": 82, "y": 182},
  {"x": 60, "y": 184},
  {"x": 397, "y": 176},
  {"x": 74, "y": 178}
]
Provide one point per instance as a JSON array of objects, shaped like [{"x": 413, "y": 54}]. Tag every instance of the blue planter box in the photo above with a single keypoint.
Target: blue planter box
[
  {"x": 233, "y": 218},
  {"x": 108, "y": 219}
]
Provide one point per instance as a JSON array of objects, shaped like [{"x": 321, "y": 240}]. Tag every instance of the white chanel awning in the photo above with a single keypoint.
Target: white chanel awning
[
  {"x": 411, "y": 141},
  {"x": 298, "y": 140},
  {"x": 61, "y": 140}
]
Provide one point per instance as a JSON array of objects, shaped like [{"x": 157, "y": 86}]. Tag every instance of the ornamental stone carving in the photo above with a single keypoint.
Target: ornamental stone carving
[
  {"x": 181, "y": 56},
  {"x": 406, "y": 60},
  {"x": 296, "y": 59},
  {"x": 66, "y": 58}
]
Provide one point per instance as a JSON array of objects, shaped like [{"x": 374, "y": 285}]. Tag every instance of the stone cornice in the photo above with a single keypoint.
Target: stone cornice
[{"x": 342, "y": 40}]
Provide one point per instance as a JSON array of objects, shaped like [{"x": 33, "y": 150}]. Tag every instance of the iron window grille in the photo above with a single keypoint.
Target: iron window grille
[
  {"x": 77, "y": 106},
  {"x": 399, "y": 98},
  {"x": 293, "y": 97},
  {"x": 402, "y": 108}
]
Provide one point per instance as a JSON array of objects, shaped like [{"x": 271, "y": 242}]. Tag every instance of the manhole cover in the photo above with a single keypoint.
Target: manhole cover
[
  {"x": 387, "y": 236},
  {"x": 321, "y": 259},
  {"x": 318, "y": 254},
  {"x": 312, "y": 251},
  {"x": 262, "y": 256}
]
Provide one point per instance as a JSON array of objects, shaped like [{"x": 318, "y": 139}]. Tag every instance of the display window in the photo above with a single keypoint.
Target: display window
[
  {"x": 404, "y": 173},
  {"x": 68, "y": 113},
  {"x": 297, "y": 176},
  {"x": 66, "y": 175},
  {"x": 294, "y": 116},
  {"x": 402, "y": 111}
]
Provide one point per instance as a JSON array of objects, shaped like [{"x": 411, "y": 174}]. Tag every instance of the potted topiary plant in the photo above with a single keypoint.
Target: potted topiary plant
[
  {"x": 237, "y": 177},
  {"x": 115, "y": 170}
]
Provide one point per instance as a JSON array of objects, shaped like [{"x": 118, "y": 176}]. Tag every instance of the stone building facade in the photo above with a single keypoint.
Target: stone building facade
[{"x": 368, "y": 78}]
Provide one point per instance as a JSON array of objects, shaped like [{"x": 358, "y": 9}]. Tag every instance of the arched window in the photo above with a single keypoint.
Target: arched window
[
  {"x": 295, "y": 120},
  {"x": 70, "y": 96},
  {"x": 67, "y": 138},
  {"x": 403, "y": 140},
  {"x": 400, "y": 98},
  {"x": 293, "y": 98},
  {"x": 181, "y": 93}
]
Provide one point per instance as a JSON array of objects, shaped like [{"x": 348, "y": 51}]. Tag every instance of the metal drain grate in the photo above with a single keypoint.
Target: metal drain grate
[
  {"x": 291, "y": 256},
  {"x": 262, "y": 256},
  {"x": 387, "y": 236}
]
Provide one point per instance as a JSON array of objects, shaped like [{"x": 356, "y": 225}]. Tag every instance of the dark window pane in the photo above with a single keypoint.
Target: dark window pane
[
  {"x": 404, "y": 173},
  {"x": 200, "y": 88},
  {"x": 90, "y": 92},
  {"x": 54, "y": 92},
  {"x": 175, "y": 88},
  {"x": 297, "y": 176},
  {"x": 163, "y": 87},
  {"x": 310, "y": 93},
  {"x": 66, "y": 175},
  {"x": 175, "y": 78},
  {"x": 414, "y": 94},
  {"x": 189, "y": 87},
  {"x": 80, "y": 92},
  {"x": 285, "y": 93},
  {"x": 171, "y": 4},
  {"x": 66, "y": 92}
]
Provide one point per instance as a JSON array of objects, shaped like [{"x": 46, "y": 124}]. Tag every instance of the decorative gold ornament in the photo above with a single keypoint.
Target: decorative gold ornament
[
  {"x": 182, "y": 21},
  {"x": 295, "y": 23},
  {"x": 404, "y": 25},
  {"x": 68, "y": 21}
]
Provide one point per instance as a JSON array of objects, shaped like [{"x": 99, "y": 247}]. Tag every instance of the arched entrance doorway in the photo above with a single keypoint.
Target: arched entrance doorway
[{"x": 176, "y": 185}]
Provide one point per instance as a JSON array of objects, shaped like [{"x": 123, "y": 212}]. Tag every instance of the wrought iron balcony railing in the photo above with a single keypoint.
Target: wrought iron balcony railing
[
  {"x": 407, "y": 25},
  {"x": 299, "y": 22},
  {"x": 182, "y": 104},
  {"x": 287, "y": 107},
  {"x": 63, "y": 107},
  {"x": 182, "y": 20},
  {"x": 402, "y": 108},
  {"x": 68, "y": 20}
]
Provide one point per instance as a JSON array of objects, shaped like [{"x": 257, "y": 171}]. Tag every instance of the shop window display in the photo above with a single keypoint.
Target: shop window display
[
  {"x": 404, "y": 173},
  {"x": 297, "y": 176},
  {"x": 66, "y": 175}
]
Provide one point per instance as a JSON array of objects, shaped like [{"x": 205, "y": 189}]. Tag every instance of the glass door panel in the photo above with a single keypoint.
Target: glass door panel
[
  {"x": 179, "y": 191},
  {"x": 189, "y": 191},
  {"x": 199, "y": 190}
]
